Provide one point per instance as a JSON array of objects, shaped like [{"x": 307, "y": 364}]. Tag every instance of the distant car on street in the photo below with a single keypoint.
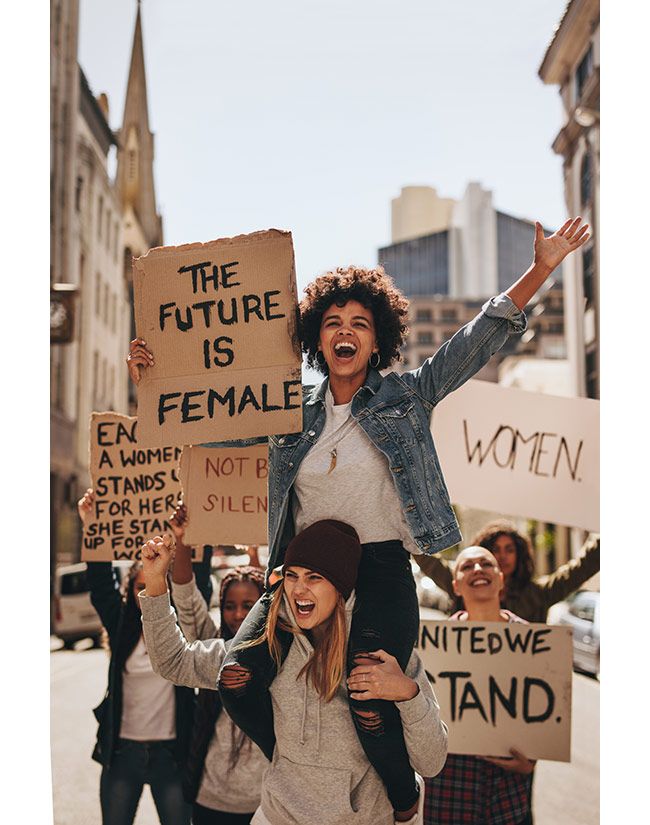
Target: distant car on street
[
  {"x": 581, "y": 612},
  {"x": 428, "y": 592},
  {"x": 74, "y": 616}
]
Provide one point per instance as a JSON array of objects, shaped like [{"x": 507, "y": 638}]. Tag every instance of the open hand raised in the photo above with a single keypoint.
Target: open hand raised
[{"x": 551, "y": 251}]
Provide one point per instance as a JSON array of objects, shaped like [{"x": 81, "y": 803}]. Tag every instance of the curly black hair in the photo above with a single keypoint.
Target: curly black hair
[
  {"x": 372, "y": 288},
  {"x": 525, "y": 567}
]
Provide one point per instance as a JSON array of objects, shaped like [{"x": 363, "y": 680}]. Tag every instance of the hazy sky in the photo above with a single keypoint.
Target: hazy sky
[{"x": 311, "y": 115}]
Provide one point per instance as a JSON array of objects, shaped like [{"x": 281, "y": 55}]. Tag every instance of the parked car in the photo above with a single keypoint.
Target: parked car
[
  {"x": 74, "y": 616},
  {"x": 428, "y": 592},
  {"x": 581, "y": 612}
]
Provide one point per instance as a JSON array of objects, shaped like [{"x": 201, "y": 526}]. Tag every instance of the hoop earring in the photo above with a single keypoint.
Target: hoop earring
[
  {"x": 375, "y": 365},
  {"x": 320, "y": 358}
]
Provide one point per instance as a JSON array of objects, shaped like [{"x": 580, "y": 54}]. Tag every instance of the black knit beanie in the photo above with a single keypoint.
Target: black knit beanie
[{"x": 328, "y": 547}]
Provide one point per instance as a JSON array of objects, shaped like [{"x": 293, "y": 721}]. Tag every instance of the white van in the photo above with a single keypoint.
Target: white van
[{"x": 74, "y": 616}]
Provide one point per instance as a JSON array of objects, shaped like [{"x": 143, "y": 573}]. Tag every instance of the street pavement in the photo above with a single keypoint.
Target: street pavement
[{"x": 566, "y": 793}]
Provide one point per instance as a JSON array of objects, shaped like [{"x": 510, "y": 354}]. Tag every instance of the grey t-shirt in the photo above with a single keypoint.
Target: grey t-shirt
[{"x": 357, "y": 488}]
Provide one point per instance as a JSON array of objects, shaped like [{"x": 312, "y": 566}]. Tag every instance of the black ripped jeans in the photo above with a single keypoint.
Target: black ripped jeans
[{"x": 386, "y": 617}]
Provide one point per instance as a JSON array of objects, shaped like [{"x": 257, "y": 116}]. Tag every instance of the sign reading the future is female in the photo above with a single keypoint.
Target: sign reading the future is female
[{"x": 220, "y": 319}]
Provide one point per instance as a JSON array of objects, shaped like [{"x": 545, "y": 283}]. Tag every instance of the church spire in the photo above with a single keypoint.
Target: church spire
[{"x": 135, "y": 181}]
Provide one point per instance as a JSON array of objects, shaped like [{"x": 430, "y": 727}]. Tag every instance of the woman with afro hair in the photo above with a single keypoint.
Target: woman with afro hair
[{"x": 366, "y": 457}]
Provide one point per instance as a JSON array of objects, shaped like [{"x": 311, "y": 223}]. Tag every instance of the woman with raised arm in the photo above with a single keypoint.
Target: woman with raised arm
[
  {"x": 144, "y": 723},
  {"x": 223, "y": 771},
  {"x": 523, "y": 593},
  {"x": 318, "y": 772},
  {"x": 366, "y": 456}
]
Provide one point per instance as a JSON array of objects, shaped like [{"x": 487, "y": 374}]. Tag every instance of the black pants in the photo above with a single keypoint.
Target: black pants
[
  {"x": 386, "y": 617},
  {"x": 206, "y": 816}
]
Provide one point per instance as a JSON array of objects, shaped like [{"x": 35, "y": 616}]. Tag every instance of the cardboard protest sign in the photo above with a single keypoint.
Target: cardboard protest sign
[
  {"x": 136, "y": 489},
  {"x": 220, "y": 319},
  {"x": 225, "y": 490},
  {"x": 501, "y": 685},
  {"x": 521, "y": 453}
]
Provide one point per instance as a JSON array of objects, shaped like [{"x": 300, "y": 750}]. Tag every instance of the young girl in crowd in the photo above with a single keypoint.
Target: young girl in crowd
[
  {"x": 144, "y": 722},
  {"x": 474, "y": 790},
  {"x": 523, "y": 594},
  {"x": 319, "y": 772},
  {"x": 366, "y": 456},
  {"x": 223, "y": 772}
]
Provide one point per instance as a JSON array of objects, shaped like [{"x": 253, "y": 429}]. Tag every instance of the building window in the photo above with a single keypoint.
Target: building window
[
  {"x": 77, "y": 193},
  {"x": 586, "y": 180},
  {"x": 128, "y": 265},
  {"x": 98, "y": 295},
  {"x": 108, "y": 229},
  {"x": 425, "y": 338},
  {"x": 105, "y": 308},
  {"x": 583, "y": 71},
  {"x": 95, "y": 376},
  {"x": 132, "y": 164},
  {"x": 423, "y": 315},
  {"x": 588, "y": 275},
  {"x": 100, "y": 216},
  {"x": 591, "y": 374},
  {"x": 449, "y": 314},
  {"x": 115, "y": 238}
]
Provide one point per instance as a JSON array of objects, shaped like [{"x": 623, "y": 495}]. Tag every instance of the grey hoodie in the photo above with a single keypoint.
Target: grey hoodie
[
  {"x": 319, "y": 772},
  {"x": 236, "y": 790}
]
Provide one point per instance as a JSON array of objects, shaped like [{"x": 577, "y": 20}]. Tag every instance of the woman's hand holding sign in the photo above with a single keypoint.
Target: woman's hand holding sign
[
  {"x": 182, "y": 572},
  {"x": 139, "y": 357},
  {"x": 85, "y": 505},
  {"x": 517, "y": 764}
]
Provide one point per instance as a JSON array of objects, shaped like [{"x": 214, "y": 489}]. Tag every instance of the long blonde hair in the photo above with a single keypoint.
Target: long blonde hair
[{"x": 326, "y": 665}]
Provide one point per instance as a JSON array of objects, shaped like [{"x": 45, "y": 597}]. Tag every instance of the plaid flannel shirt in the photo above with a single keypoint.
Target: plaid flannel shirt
[{"x": 471, "y": 791}]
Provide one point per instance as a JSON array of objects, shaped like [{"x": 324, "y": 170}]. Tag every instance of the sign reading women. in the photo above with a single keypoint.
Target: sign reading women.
[
  {"x": 136, "y": 489},
  {"x": 225, "y": 490},
  {"x": 521, "y": 453},
  {"x": 220, "y": 319},
  {"x": 501, "y": 685}
]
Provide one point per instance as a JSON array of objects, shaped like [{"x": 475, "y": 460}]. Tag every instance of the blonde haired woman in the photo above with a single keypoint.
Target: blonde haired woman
[{"x": 319, "y": 771}]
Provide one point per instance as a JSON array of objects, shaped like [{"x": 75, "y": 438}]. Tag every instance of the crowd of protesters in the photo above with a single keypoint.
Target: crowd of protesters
[{"x": 312, "y": 705}]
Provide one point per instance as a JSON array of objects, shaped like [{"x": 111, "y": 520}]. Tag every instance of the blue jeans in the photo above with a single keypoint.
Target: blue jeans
[
  {"x": 386, "y": 617},
  {"x": 134, "y": 765}
]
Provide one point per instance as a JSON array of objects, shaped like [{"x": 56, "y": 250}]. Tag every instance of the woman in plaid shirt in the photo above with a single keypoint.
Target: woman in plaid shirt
[{"x": 474, "y": 790}]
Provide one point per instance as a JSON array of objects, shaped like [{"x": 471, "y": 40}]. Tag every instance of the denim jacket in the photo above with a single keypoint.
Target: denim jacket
[{"x": 394, "y": 412}]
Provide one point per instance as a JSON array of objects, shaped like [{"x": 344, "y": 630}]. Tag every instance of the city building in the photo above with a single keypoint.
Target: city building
[
  {"x": 463, "y": 249},
  {"x": 433, "y": 319},
  {"x": 103, "y": 304},
  {"x": 64, "y": 106},
  {"x": 97, "y": 224},
  {"x": 142, "y": 225},
  {"x": 572, "y": 62}
]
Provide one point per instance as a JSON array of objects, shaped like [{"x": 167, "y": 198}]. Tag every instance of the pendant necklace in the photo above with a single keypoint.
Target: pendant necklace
[{"x": 334, "y": 451}]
